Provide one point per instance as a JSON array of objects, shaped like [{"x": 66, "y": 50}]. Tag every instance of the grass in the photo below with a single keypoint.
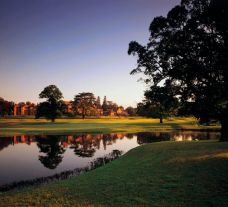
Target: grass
[
  {"x": 103, "y": 125},
  {"x": 158, "y": 174}
]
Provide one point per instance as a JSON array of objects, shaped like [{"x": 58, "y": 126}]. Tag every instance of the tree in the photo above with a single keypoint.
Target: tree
[
  {"x": 84, "y": 148},
  {"x": 98, "y": 102},
  {"x": 144, "y": 108},
  {"x": 84, "y": 103},
  {"x": 6, "y": 107},
  {"x": 161, "y": 101},
  {"x": 105, "y": 105},
  {"x": 53, "y": 107},
  {"x": 131, "y": 111},
  {"x": 189, "y": 48}
]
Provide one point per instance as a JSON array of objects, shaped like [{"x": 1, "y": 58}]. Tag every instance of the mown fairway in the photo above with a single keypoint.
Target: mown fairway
[
  {"x": 158, "y": 174},
  {"x": 103, "y": 125}
]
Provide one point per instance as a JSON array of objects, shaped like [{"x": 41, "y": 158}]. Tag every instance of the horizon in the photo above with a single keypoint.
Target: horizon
[{"x": 76, "y": 45}]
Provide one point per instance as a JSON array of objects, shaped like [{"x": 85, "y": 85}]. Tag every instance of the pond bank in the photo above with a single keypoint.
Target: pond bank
[{"x": 158, "y": 174}]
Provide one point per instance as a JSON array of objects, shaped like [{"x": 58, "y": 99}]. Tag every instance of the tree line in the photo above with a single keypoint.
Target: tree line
[{"x": 84, "y": 104}]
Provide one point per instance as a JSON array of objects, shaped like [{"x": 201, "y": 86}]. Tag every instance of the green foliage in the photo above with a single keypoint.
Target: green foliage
[
  {"x": 98, "y": 102},
  {"x": 6, "y": 107},
  {"x": 161, "y": 102},
  {"x": 131, "y": 111},
  {"x": 189, "y": 48},
  {"x": 85, "y": 103},
  {"x": 53, "y": 107},
  {"x": 51, "y": 93},
  {"x": 105, "y": 105}
]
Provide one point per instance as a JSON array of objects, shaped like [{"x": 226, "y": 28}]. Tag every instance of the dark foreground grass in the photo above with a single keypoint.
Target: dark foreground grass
[{"x": 158, "y": 174}]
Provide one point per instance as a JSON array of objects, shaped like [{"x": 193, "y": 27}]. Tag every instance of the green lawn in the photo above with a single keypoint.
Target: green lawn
[
  {"x": 159, "y": 174},
  {"x": 103, "y": 125}
]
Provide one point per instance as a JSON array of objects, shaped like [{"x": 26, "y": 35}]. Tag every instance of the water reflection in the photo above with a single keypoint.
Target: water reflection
[
  {"x": 98, "y": 162},
  {"x": 53, "y": 150},
  {"x": 33, "y": 156}
]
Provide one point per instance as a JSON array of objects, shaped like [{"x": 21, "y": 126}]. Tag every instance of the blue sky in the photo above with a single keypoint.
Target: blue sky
[{"x": 78, "y": 45}]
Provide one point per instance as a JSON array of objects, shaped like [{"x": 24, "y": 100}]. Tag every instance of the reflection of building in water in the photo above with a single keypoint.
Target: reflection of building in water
[
  {"x": 95, "y": 141},
  {"x": 83, "y": 140},
  {"x": 194, "y": 135},
  {"x": 148, "y": 137},
  {"x": 23, "y": 139},
  {"x": 182, "y": 137}
]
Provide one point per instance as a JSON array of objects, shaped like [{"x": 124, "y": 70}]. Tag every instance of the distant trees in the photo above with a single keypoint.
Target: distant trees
[
  {"x": 143, "y": 109},
  {"x": 159, "y": 102},
  {"x": 84, "y": 103},
  {"x": 105, "y": 105},
  {"x": 6, "y": 107},
  {"x": 98, "y": 102},
  {"x": 131, "y": 111},
  {"x": 162, "y": 102},
  {"x": 189, "y": 48},
  {"x": 53, "y": 106}
]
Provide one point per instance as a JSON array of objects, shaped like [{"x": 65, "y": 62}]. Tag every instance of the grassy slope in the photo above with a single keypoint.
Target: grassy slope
[
  {"x": 158, "y": 174},
  {"x": 21, "y": 126}
]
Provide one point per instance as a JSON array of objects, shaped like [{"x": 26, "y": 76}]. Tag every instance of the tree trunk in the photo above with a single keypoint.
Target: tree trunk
[
  {"x": 53, "y": 120},
  {"x": 83, "y": 113},
  {"x": 224, "y": 125},
  {"x": 161, "y": 120},
  {"x": 224, "y": 129}
]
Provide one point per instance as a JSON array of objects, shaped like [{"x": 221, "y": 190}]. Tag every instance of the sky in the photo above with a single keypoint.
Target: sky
[{"x": 77, "y": 45}]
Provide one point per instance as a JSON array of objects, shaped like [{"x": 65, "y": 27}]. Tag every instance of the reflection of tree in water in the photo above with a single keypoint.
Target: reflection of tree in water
[
  {"x": 109, "y": 139},
  {"x": 83, "y": 146},
  {"x": 129, "y": 136},
  {"x": 148, "y": 137},
  {"x": 50, "y": 145},
  {"x": 5, "y": 142}
]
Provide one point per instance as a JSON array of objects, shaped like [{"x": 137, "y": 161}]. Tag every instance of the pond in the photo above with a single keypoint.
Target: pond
[{"x": 28, "y": 157}]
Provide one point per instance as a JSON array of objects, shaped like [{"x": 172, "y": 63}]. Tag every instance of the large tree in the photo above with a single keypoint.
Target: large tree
[
  {"x": 189, "y": 48},
  {"x": 84, "y": 103},
  {"x": 53, "y": 106}
]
